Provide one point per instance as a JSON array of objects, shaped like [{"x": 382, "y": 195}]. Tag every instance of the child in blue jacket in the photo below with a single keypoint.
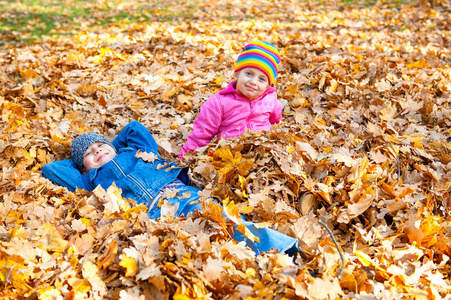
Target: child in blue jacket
[{"x": 94, "y": 160}]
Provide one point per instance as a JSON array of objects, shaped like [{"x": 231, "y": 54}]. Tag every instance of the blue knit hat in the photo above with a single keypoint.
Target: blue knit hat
[{"x": 82, "y": 143}]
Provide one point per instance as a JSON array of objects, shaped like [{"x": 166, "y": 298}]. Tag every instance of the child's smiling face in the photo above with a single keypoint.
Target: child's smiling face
[
  {"x": 97, "y": 155},
  {"x": 251, "y": 82}
]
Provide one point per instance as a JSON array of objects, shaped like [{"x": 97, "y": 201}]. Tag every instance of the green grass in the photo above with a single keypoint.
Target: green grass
[
  {"x": 369, "y": 3},
  {"x": 354, "y": 2},
  {"x": 29, "y": 20}
]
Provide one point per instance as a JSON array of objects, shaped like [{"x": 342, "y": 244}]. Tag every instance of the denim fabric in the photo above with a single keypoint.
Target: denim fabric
[
  {"x": 138, "y": 180},
  {"x": 184, "y": 205},
  {"x": 268, "y": 237}
]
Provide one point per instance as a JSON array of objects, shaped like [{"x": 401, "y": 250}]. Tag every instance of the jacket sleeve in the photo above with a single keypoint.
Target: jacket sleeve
[
  {"x": 64, "y": 173},
  {"x": 137, "y": 136},
  {"x": 205, "y": 127},
  {"x": 276, "y": 114}
]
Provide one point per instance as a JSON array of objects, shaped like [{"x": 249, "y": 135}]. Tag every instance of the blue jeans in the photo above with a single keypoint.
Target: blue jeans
[{"x": 269, "y": 238}]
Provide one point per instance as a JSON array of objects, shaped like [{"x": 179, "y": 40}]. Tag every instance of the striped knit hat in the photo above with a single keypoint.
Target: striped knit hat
[
  {"x": 261, "y": 55},
  {"x": 82, "y": 143}
]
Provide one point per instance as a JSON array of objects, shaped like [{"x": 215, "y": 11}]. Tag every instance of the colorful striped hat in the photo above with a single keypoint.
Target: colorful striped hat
[
  {"x": 261, "y": 55},
  {"x": 82, "y": 143}
]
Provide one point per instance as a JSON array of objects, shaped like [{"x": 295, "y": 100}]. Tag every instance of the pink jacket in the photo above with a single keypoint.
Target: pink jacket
[{"x": 229, "y": 113}]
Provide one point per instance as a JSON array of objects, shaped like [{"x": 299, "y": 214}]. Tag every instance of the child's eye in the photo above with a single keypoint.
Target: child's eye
[
  {"x": 262, "y": 79},
  {"x": 248, "y": 73}
]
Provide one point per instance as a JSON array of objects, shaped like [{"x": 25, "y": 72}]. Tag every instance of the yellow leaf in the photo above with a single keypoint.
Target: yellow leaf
[
  {"x": 250, "y": 272},
  {"x": 232, "y": 211},
  {"x": 292, "y": 90},
  {"x": 97, "y": 59},
  {"x": 196, "y": 292},
  {"x": 187, "y": 260},
  {"x": 80, "y": 286},
  {"x": 108, "y": 256},
  {"x": 49, "y": 293},
  {"x": 343, "y": 158},
  {"x": 91, "y": 273},
  {"x": 218, "y": 80},
  {"x": 413, "y": 233},
  {"x": 244, "y": 166},
  {"x": 348, "y": 281},
  {"x": 243, "y": 185},
  {"x": 247, "y": 233},
  {"x": 420, "y": 64},
  {"x": 104, "y": 51},
  {"x": 134, "y": 211},
  {"x": 112, "y": 199},
  {"x": 364, "y": 258},
  {"x": 74, "y": 261},
  {"x": 320, "y": 123},
  {"x": 18, "y": 231},
  {"x": 223, "y": 155},
  {"x": 85, "y": 221},
  {"x": 129, "y": 264},
  {"x": 12, "y": 272},
  {"x": 333, "y": 86},
  {"x": 55, "y": 242},
  {"x": 11, "y": 110},
  {"x": 214, "y": 212}
]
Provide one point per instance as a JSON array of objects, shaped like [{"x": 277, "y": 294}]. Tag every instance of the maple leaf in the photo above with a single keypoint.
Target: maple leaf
[
  {"x": 90, "y": 272},
  {"x": 10, "y": 272},
  {"x": 148, "y": 272},
  {"x": 112, "y": 199},
  {"x": 131, "y": 294},
  {"x": 233, "y": 211},
  {"x": 213, "y": 269},
  {"x": 109, "y": 255},
  {"x": 50, "y": 293},
  {"x": 130, "y": 264},
  {"x": 239, "y": 250},
  {"x": 80, "y": 287},
  {"x": 84, "y": 243},
  {"x": 147, "y": 157},
  {"x": 247, "y": 233},
  {"x": 325, "y": 289},
  {"x": 168, "y": 210},
  {"x": 78, "y": 225}
]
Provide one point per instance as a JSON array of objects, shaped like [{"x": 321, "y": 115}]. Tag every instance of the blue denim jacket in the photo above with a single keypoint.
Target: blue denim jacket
[{"x": 138, "y": 180}]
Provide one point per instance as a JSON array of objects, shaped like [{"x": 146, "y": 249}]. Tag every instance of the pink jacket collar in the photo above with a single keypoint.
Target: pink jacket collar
[{"x": 231, "y": 90}]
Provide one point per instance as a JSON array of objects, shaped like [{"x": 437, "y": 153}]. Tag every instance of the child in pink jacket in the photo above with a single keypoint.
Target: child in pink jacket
[{"x": 249, "y": 102}]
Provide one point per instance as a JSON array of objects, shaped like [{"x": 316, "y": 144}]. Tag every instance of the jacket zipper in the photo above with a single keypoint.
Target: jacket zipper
[
  {"x": 248, "y": 122},
  {"x": 133, "y": 179}
]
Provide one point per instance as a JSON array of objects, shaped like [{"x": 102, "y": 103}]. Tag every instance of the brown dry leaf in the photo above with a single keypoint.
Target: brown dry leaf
[
  {"x": 147, "y": 157},
  {"x": 365, "y": 125}
]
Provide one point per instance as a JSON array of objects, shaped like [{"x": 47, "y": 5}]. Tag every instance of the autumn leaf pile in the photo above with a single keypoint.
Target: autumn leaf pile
[{"x": 366, "y": 94}]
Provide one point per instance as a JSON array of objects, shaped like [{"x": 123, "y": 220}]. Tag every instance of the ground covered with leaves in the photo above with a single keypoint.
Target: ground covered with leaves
[{"x": 366, "y": 92}]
